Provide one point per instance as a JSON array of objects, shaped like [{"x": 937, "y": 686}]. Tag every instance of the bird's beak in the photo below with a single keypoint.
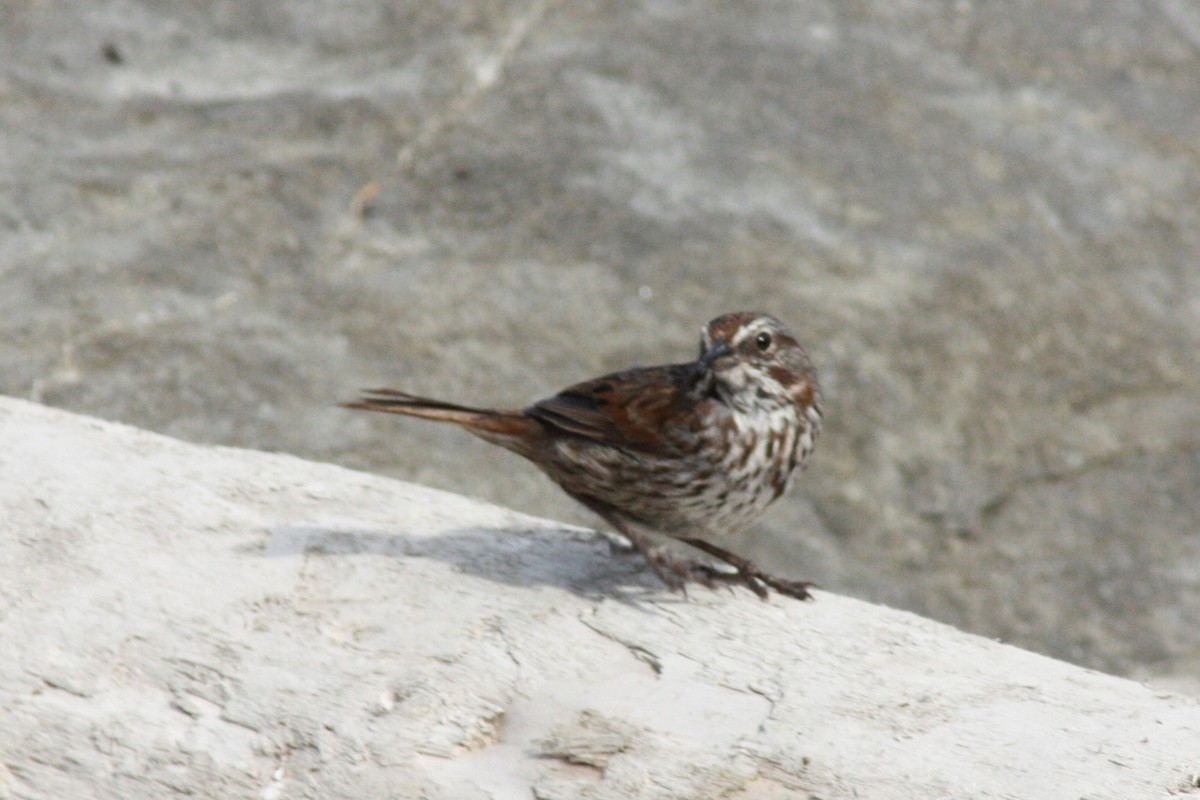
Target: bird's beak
[{"x": 717, "y": 351}]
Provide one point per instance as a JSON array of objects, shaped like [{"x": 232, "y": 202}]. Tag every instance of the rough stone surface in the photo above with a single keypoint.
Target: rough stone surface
[
  {"x": 211, "y": 622},
  {"x": 220, "y": 218}
]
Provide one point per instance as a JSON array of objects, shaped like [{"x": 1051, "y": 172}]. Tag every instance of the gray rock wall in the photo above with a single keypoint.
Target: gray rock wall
[{"x": 221, "y": 218}]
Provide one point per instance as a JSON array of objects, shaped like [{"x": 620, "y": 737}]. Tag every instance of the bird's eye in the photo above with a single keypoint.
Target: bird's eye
[{"x": 764, "y": 342}]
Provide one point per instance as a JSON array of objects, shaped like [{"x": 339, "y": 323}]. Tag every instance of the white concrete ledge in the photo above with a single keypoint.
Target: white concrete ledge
[{"x": 224, "y": 623}]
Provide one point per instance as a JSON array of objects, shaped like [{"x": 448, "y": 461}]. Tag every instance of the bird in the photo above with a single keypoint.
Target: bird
[{"x": 693, "y": 451}]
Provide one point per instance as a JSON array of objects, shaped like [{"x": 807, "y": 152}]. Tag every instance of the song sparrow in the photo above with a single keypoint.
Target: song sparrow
[{"x": 695, "y": 451}]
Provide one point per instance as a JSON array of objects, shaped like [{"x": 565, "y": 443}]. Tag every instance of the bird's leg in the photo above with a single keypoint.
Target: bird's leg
[
  {"x": 737, "y": 577},
  {"x": 749, "y": 574},
  {"x": 674, "y": 572}
]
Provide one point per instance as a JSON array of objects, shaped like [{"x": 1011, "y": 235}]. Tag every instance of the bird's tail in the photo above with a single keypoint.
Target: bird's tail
[{"x": 495, "y": 425}]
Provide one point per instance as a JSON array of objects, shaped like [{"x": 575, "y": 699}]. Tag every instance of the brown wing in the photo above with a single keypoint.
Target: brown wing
[{"x": 637, "y": 409}]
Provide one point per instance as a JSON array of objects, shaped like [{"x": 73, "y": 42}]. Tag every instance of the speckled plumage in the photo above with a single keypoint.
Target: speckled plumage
[{"x": 695, "y": 451}]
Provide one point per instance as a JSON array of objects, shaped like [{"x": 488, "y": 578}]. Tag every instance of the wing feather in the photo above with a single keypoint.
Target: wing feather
[{"x": 628, "y": 409}]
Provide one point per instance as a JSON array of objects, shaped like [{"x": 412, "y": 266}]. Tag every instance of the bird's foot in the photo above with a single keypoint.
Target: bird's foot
[
  {"x": 748, "y": 574},
  {"x": 677, "y": 572}
]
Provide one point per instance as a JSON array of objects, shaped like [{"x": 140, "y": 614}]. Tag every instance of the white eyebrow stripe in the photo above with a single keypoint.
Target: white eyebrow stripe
[{"x": 753, "y": 329}]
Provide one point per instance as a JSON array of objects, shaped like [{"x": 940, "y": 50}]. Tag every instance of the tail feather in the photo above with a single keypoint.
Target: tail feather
[
  {"x": 404, "y": 403},
  {"x": 492, "y": 424}
]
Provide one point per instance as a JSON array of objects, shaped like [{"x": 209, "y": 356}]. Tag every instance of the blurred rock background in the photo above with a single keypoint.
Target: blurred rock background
[{"x": 983, "y": 219}]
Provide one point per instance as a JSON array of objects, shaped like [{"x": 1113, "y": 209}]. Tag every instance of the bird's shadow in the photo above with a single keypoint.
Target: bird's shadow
[{"x": 582, "y": 562}]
